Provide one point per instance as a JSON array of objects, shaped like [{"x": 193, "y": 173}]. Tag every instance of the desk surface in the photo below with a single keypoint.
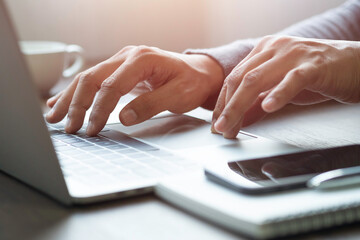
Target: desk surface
[{"x": 27, "y": 214}]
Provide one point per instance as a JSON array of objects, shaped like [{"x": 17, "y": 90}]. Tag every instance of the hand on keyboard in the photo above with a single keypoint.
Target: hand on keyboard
[{"x": 163, "y": 80}]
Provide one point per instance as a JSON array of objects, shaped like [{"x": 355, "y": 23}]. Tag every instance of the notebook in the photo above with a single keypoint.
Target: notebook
[
  {"x": 263, "y": 216},
  {"x": 119, "y": 162}
]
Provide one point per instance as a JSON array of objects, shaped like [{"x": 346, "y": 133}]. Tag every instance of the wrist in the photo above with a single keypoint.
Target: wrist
[{"x": 214, "y": 76}]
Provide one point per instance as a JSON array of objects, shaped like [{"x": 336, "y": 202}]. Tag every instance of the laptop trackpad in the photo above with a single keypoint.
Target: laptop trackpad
[{"x": 177, "y": 132}]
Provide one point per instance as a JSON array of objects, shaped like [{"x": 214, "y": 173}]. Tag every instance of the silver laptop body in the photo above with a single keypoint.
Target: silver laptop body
[{"x": 152, "y": 152}]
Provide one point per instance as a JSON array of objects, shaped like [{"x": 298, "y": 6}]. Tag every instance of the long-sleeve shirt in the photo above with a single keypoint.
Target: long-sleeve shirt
[{"x": 341, "y": 23}]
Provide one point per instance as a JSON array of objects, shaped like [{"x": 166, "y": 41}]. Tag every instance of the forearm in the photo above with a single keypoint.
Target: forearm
[{"x": 341, "y": 23}]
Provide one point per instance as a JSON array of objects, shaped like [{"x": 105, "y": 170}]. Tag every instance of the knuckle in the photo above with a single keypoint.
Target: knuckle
[
  {"x": 144, "y": 54},
  {"x": 142, "y": 50},
  {"x": 127, "y": 49},
  {"x": 76, "y": 106},
  {"x": 232, "y": 82},
  {"x": 318, "y": 58},
  {"x": 299, "y": 73},
  {"x": 86, "y": 79},
  {"x": 280, "y": 41},
  {"x": 266, "y": 39},
  {"x": 109, "y": 83},
  {"x": 85, "y": 76},
  {"x": 251, "y": 78},
  {"x": 111, "y": 86},
  {"x": 298, "y": 49}
]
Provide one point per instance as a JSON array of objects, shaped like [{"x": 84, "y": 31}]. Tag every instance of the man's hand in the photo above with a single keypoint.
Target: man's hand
[
  {"x": 162, "y": 80},
  {"x": 280, "y": 70}
]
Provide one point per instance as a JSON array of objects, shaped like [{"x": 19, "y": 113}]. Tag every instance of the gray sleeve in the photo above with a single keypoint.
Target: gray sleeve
[{"x": 342, "y": 23}]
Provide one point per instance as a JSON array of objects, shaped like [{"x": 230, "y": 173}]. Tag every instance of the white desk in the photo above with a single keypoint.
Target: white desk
[{"x": 27, "y": 214}]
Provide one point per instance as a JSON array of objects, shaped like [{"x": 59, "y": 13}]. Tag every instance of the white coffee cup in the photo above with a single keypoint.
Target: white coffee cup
[{"x": 49, "y": 61}]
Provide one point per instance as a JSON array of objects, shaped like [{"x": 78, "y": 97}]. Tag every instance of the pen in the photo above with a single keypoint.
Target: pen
[{"x": 335, "y": 178}]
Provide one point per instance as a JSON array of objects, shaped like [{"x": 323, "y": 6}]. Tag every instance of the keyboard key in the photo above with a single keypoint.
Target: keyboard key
[
  {"x": 161, "y": 153},
  {"x": 117, "y": 146},
  {"x": 113, "y": 156},
  {"x": 64, "y": 148},
  {"x": 96, "y": 139},
  {"x": 92, "y": 148},
  {"x": 106, "y": 143},
  {"x": 126, "y": 151},
  {"x": 58, "y": 143},
  {"x": 71, "y": 140},
  {"x": 59, "y": 125},
  {"x": 121, "y": 161},
  {"x": 126, "y": 140},
  {"x": 91, "y": 161},
  {"x": 139, "y": 155},
  {"x": 132, "y": 166},
  {"x": 102, "y": 152},
  {"x": 83, "y": 156},
  {"x": 81, "y": 144},
  {"x": 102, "y": 160}
]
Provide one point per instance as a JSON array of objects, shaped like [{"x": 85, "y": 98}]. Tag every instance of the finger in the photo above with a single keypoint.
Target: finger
[
  {"x": 220, "y": 104},
  {"x": 236, "y": 76},
  {"x": 88, "y": 84},
  {"x": 150, "y": 104},
  {"x": 256, "y": 81},
  {"x": 121, "y": 82},
  {"x": 115, "y": 86},
  {"x": 51, "y": 101},
  {"x": 60, "y": 108},
  {"x": 223, "y": 96},
  {"x": 233, "y": 132},
  {"x": 255, "y": 113},
  {"x": 294, "y": 82}
]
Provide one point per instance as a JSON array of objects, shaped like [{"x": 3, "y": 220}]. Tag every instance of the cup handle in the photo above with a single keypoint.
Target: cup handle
[{"x": 76, "y": 51}]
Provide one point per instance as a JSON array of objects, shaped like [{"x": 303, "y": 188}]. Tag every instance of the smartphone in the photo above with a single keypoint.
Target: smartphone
[{"x": 282, "y": 172}]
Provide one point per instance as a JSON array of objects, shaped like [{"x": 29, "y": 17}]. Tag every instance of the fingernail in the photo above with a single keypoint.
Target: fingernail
[
  {"x": 220, "y": 124},
  {"x": 68, "y": 123},
  {"x": 129, "y": 116},
  {"x": 213, "y": 130},
  {"x": 269, "y": 103}
]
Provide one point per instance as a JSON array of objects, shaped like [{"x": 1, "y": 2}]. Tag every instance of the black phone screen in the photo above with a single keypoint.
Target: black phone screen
[
  {"x": 296, "y": 167},
  {"x": 282, "y": 172}
]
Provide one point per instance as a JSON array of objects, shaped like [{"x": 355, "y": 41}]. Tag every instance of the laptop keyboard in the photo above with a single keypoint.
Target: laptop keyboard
[{"x": 113, "y": 156}]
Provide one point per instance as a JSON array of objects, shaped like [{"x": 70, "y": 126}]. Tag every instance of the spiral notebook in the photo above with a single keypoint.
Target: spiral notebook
[{"x": 262, "y": 217}]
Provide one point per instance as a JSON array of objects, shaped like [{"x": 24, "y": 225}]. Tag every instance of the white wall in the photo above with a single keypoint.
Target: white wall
[
  {"x": 104, "y": 27},
  {"x": 236, "y": 19}
]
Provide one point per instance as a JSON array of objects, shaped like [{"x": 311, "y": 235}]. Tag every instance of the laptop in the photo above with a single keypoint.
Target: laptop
[{"x": 120, "y": 161}]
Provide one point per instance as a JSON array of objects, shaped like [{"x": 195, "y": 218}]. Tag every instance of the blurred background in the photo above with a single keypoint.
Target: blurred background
[{"x": 104, "y": 27}]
